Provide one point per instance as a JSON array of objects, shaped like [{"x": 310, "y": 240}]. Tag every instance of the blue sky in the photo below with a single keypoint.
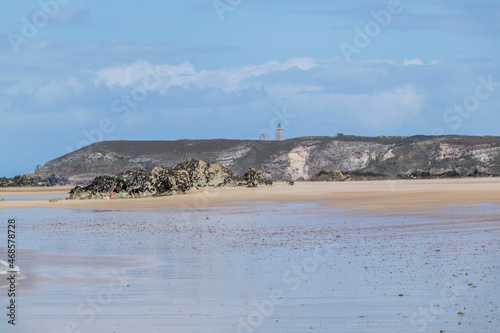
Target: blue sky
[{"x": 73, "y": 71}]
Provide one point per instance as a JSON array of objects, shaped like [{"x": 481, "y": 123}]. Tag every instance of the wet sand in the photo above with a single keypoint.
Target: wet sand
[
  {"x": 398, "y": 256},
  {"x": 398, "y": 195},
  {"x": 269, "y": 267}
]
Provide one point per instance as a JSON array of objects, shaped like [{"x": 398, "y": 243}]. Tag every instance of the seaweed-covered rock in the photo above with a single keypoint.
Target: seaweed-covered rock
[
  {"x": 437, "y": 173},
  {"x": 201, "y": 174},
  {"x": 330, "y": 176},
  {"x": 30, "y": 180},
  {"x": 338, "y": 176},
  {"x": 101, "y": 186},
  {"x": 135, "y": 179},
  {"x": 160, "y": 181},
  {"x": 219, "y": 176},
  {"x": 195, "y": 172},
  {"x": 53, "y": 180},
  {"x": 254, "y": 178},
  {"x": 19, "y": 181}
]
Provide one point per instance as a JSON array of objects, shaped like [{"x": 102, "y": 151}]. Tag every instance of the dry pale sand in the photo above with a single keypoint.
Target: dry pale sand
[{"x": 399, "y": 195}]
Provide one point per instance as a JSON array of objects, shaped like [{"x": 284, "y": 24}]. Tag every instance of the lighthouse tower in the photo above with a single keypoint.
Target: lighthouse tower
[{"x": 279, "y": 133}]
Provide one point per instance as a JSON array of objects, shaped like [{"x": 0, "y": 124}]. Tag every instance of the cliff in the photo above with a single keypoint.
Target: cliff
[{"x": 404, "y": 157}]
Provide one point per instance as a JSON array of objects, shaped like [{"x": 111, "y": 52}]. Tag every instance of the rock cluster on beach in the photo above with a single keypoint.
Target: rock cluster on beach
[
  {"x": 160, "y": 181},
  {"x": 18, "y": 181},
  {"x": 330, "y": 176},
  {"x": 254, "y": 178},
  {"x": 475, "y": 171},
  {"x": 32, "y": 181}
]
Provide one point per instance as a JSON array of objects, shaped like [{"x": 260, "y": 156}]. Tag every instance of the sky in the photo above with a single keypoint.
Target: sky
[{"x": 75, "y": 72}]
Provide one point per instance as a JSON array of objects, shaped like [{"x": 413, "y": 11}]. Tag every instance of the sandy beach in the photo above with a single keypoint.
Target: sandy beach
[
  {"x": 379, "y": 256},
  {"x": 397, "y": 195}
]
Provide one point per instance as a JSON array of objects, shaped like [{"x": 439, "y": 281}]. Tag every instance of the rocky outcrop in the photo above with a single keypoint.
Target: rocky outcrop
[
  {"x": 254, "y": 178},
  {"x": 19, "y": 181},
  {"x": 191, "y": 174},
  {"x": 52, "y": 180},
  {"x": 330, "y": 176},
  {"x": 32, "y": 181},
  {"x": 459, "y": 172},
  {"x": 200, "y": 174}
]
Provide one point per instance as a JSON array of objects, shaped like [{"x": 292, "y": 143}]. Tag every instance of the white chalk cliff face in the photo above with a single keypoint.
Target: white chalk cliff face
[
  {"x": 388, "y": 155},
  {"x": 313, "y": 156},
  {"x": 482, "y": 153},
  {"x": 297, "y": 160}
]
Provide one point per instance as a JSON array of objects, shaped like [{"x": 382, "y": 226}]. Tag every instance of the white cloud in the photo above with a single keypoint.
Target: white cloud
[
  {"x": 56, "y": 90},
  {"x": 162, "y": 77},
  {"x": 386, "y": 107},
  {"x": 134, "y": 74},
  {"x": 410, "y": 62},
  {"x": 361, "y": 99},
  {"x": 380, "y": 110}
]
